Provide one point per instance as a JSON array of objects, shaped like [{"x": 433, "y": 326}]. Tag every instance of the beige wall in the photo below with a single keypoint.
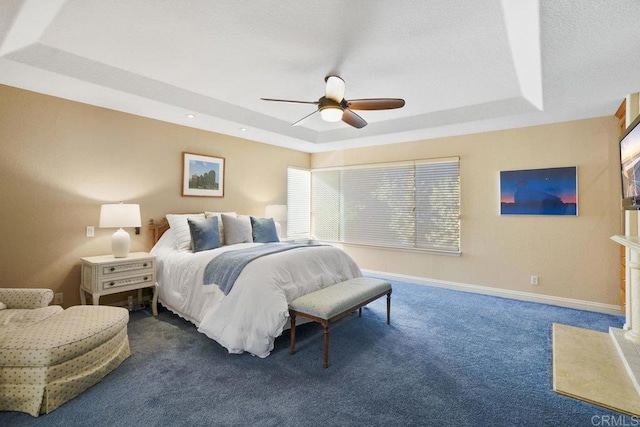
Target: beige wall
[
  {"x": 573, "y": 256},
  {"x": 59, "y": 160}
]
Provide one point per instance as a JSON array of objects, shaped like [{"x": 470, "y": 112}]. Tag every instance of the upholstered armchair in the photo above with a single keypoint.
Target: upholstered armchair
[
  {"x": 49, "y": 355},
  {"x": 25, "y": 298},
  {"x": 25, "y": 305}
]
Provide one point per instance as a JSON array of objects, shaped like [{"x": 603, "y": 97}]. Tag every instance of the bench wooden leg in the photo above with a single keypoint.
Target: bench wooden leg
[
  {"x": 325, "y": 332},
  {"x": 389, "y": 308},
  {"x": 360, "y": 312},
  {"x": 293, "y": 333}
]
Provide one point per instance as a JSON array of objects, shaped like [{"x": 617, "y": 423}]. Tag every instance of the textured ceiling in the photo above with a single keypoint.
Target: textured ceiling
[{"x": 462, "y": 66}]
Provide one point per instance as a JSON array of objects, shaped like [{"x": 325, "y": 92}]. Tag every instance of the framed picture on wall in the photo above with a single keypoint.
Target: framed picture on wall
[
  {"x": 202, "y": 175},
  {"x": 551, "y": 191}
]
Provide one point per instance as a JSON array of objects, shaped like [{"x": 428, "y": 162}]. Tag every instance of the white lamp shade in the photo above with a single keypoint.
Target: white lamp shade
[
  {"x": 120, "y": 215},
  {"x": 277, "y": 212}
]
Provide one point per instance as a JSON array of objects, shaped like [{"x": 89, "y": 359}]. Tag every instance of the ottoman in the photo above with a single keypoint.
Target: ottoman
[{"x": 47, "y": 363}]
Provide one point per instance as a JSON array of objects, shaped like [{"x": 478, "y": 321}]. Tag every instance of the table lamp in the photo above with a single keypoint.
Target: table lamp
[{"x": 118, "y": 216}]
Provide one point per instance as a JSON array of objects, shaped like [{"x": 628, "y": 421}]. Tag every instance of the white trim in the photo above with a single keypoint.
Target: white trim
[{"x": 503, "y": 293}]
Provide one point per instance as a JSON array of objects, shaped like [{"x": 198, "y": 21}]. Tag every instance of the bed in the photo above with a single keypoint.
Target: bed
[{"x": 255, "y": 311}]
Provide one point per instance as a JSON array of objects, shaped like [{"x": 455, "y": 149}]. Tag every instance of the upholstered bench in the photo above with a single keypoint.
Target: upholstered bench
[
  {"x": 334, "y": 302},
  {"x": 45, "y": 364}
]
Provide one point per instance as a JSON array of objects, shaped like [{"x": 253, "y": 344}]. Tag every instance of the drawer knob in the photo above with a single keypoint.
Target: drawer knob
[
  {"x": 145, "y": 264},
  {"x": 111, "y": 284},
  {"x": 145, "y": 278},
  {"x": 112, "y": 269}
]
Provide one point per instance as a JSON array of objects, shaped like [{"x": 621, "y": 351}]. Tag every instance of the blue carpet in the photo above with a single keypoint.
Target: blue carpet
[{"x": 447, "y": 359}]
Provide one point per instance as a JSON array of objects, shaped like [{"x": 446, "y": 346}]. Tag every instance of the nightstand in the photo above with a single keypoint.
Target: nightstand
[{"x": 106, "y": 275}]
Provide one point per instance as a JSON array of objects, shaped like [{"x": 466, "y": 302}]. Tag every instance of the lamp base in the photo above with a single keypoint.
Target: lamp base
[{"x": 120, "y": 243}]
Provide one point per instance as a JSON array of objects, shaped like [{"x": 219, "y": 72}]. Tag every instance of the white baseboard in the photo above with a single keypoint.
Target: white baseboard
[{"x": 503, "y": 293}]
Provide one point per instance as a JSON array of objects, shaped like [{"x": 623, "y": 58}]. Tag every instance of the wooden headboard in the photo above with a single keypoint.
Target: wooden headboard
[{"x": 157, "y": 229}]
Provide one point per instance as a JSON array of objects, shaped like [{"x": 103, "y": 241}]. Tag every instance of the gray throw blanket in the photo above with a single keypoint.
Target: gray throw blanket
[{"x": 224, "y": 269}]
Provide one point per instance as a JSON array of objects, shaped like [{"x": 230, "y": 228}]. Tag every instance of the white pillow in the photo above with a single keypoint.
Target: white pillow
[
  {"x": 2, "y": 305},
  {"x": 237, "y": 229},
  {"x": 220, "y": 223},
  {"x": 180, "y": 227},
  {"x": 165, "y": 241}
]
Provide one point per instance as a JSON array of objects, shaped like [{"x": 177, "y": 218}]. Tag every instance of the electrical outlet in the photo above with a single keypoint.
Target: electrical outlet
[
  {"x": 534, "y": 280},
  {"x": 58, "y": 298},
  {"x": 90, "y": 231}
]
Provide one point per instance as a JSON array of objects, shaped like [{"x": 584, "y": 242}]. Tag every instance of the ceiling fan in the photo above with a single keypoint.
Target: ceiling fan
[{"x": 333, "y": 107}]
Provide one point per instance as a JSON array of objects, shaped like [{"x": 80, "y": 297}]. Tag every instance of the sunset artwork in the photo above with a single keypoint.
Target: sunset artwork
[{"x": 551, "y": 191}]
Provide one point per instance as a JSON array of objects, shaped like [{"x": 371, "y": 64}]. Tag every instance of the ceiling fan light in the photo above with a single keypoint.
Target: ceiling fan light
[{"x": 331, "y": 114}]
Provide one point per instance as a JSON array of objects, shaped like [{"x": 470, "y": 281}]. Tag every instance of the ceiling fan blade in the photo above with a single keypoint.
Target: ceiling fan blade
[
  {"x": 375, "y": 103},
  {"x": 304, "y": 119},
  {"x": 351, "y": 118},
  {"x": 335, "y": 88},
  {"x": 288, "y": 100}
]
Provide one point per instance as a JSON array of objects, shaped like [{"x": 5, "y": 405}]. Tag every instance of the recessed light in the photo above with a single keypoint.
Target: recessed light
[
  {"x": 191, "y": 116},
  {"x": 243, "y": 129}
]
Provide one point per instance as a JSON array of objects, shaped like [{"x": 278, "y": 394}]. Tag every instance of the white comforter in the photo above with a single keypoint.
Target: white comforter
[{"x": 256, "y": 311}]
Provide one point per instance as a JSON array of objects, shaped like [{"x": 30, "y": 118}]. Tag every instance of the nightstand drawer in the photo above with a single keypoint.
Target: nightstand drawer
[
  {"x": 126, "y": 267},
  {"x": 128, "y": 281}
]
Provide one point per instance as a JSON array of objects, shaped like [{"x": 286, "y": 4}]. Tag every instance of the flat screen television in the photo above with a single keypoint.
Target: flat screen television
[{"x": 630, "y": 165}]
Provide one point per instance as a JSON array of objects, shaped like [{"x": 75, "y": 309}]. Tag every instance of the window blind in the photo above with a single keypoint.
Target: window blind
[
  {"x": 438, "y": 205},
  {"x": 298, "y": 203},
  {"x": 378, "y": 205},
  {"x": 326, "y": 205},
  {"x": 406, "y": 205}
]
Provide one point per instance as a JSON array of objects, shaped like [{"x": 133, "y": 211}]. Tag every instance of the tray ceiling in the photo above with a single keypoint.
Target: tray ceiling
[{"x": 462, "y": 66}]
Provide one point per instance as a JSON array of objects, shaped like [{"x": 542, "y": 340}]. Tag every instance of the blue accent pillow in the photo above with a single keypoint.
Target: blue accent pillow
[
  {"x": 205, "y": 233},
  {"x": 264, "y": 230}
]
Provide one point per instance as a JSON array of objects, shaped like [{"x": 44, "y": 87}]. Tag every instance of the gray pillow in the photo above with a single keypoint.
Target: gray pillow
[
  {"x": 236, "y": 229},
  {"x": 264, "y": 230},
  {"x": 205, "y": 234}
]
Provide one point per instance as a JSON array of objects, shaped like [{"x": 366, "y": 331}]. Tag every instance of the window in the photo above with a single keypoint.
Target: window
[
  {"x": 438, "y": 205},
  {"x": 298, "y": 202},
  {"x": 326, "y": 205},
  {"x": 405, "y": 205}
]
